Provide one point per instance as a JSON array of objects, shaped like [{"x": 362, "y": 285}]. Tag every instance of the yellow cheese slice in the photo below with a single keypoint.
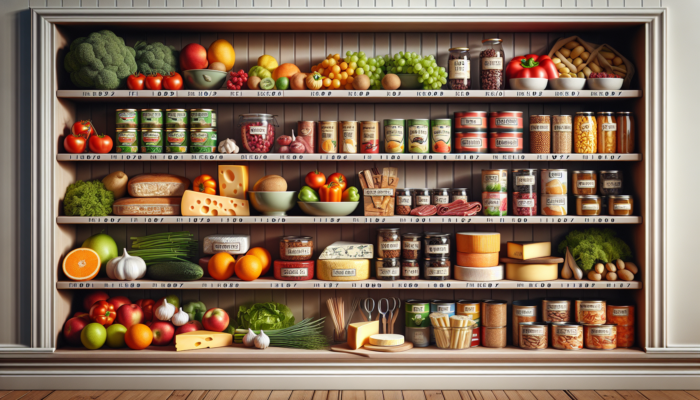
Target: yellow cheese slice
[
  {"x": 359, "y": 333},
  {"x": 197, "y": 203},
  {"x": 342, "y": 270},
  {"x": 477, "y": 260},
  {"x": 233, "y": 181},
  {"x": 202, "y": 340},
  {"x": 531, "y": 272},
  {"x": 386, "y": 340},
  {"x": 528, "y": 250},
  {"x": 478, "y": 242}
]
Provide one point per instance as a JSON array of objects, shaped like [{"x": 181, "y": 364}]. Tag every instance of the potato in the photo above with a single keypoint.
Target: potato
[
  {"x": 565, "y": 52},
  {"x": 625, "y": 275},
  {"x": 580, "y": 75},
  {"x": 577, "y": 51},
  {"x": 619, "y": 264},
  {"x": 573, "y": 74},
  {"x": 556, "y": 60},
  {"x": 564, "y": 70},
  {"x": 584, "y": 56},
  {"x": 569, "y": 59},
  {"x": 594, "y": 67},
  {"x": 572, "y": 45},
  {"x": 610, "y": 267},
  {"x": 611, "y": 276},
  {"x": 617, "y": 61},
  {"x": 595, "y": 61},
  {"x": 578, "y": 61},
  {"x": 594, "y": 276},
  {"x": 599, "y": 268},
  {"x": 587, "y": 71},
  {"x": 607, "y": 55},
  {"x": 270, "y": 183},
  {"x": 631, "y": 267},
  {"x": 564, "y": 76}
]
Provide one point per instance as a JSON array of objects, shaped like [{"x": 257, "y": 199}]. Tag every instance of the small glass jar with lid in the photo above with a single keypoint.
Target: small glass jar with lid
[
  {"x": 584, "y": 182},
  {"x": 561, "y": 134},
  {"x": 404, "y": 201},
  {"x": 588, "y": 205},
  {"x": 607, "y": 132},
  {"x": 411, "y": 246},
  {"x": 421, "y": 197},
  {"x": 610, "y": 182},
  {"x": 258, "y": 132},
  {"x": 388, "y": 269},
  {"x": 492, "y": 64},
  {"x": 459, "y": 69},
  {"x": 388, "y": 243},
  {"x": 620, "y": 205},
  {"x": 625, "y": 132},
  {"x": 437, "y": 268},
  {"x": 410, "y": 269},
  {"x": 585, "y": 133},
  {"x": 296, "y": 248},
  {"x": 436, "y": 244},
  {"x": 524, "y": 180},
  {"x": 459, "y": 194},
  {"x": 439, "y": 196}
]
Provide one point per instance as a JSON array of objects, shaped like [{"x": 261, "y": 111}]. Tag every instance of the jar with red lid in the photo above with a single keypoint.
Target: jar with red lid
[
  {"x": 294, "y": 270},
  {"x": 258, "y": 132}
]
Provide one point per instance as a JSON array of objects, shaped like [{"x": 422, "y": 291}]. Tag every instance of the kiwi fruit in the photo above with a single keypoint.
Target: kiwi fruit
[
  {"x": 391, "y": 82},
  {"x": 267, "y": 84},
  {"x": 361, "y": 82}
]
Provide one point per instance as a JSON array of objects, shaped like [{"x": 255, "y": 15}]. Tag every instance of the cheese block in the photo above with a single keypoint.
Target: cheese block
[
  {"x": 386, "y": 340},
  {"x": 539, "y": 260},
  {"x": 157, "y": 185},
  {"x": 197, "y": 203},
  {"x": 478, "y": 242},
  {"x": 528, "y": 250},
  {"x": 231, "y": 244},
  {"x": 233, "y": 181},
  {"x": 202, "y": 340},
  {"x": 147, "y": 206},
  {"x": 477, "y": 260},
  {"x": 347, "y": 250},
  {"x": 478, "y": 274},
  {"x": 531, "y": 272},
  {"x": 359, "y": 333},
  {"x": 342, "y": 270}
]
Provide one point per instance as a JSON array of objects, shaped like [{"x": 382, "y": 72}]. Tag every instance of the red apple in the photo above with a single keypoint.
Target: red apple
[
  {"x": 215, "y": 319},
  {"x": 163, "y": 333},
  {"x": 193, "y": 56},
  {"x": 80, "y": 314},
  {"x": 92, "y": 298},
  {"x": 72, "y": 329},
  {"x": 118, "y": 301},
  {"x": 191, "y": 326},
  {"x": 129, "y": 315}
]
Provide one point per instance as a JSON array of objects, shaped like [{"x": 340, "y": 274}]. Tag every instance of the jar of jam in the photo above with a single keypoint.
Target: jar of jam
[
  {"x": 388, "y": 243},
  {"x": 584, "y": 182},
  {"x": 410, "y": 269},
  {"x": 588, "y": 205},
  {"x": 411, "y": 246},
  {"x": 625, "y": 132},
  {"x": 610, "y": 182},
  {"x": 439, "y": 196},
  {"x": 437, "y": 268},
  {"x": 421, "y": 197},
  {"x": 607, "y": 132},
  {"x": 436, "y": 244},
  {"x": 296, "y": 248},
  {"x": 524, "y": 180},
  {"x": 459, "y": 194},
  {"x": 620, "y": 205},
  {"x": 404, "y": 201},
  {"x": 388, "y": 269},
  {"x": 585, "y": 133}
]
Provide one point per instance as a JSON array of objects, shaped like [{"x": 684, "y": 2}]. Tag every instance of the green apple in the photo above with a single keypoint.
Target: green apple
[
  {"x": 115, "y": 336},
  {"x": 93, "y": 336},
  {"x": 104, "y": 246},
  {"x": 172, "y": 299}
]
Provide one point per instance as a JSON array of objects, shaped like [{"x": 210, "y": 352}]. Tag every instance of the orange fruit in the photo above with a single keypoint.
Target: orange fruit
[
  {"x": 221, "y": 266},
  {"x": 81, "y": 264},
  {"x": 264, "y": 257},
  {"x": 249, "y": 268},
  {"x": 222, "y": 51},
  {"x": 138, "y": 337},
  {"x": 286, "y": 70}
]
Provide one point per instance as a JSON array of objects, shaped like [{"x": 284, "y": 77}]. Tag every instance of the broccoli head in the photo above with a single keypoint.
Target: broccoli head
[
  {"x": 595, "y": 245},
  {"x": 100, "y": 60},
  {"x": 155, "y": 58}
]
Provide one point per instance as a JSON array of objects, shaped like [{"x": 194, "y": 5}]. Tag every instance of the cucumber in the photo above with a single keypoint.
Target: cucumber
[{"x": 175, "y": 271}]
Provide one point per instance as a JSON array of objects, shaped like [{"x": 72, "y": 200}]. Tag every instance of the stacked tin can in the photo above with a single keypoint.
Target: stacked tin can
[
  {"x": 524, "y": 183},
  {"x": 418, "y": 323},
  {"x": 471, "y": 131},
  {"x": 127, "y": 135},
  {"x": 506, "y": 132},
  {"x": 203, "y": 137},
  {"x": 446, "y": 307},
  {"x": 471, "y": 309},
  {"x": 151, "y": 130},
  {"x": 177, "y": 135},
  {"x": 494, "y": 195},
  {"x": 553, "y": 189},
  {"x": 441, "y": 135}
]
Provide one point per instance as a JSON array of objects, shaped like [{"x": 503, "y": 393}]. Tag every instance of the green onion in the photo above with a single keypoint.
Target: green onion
[
  {"x": 166, "y": 246},
  {"x": 307, "y": 334}
]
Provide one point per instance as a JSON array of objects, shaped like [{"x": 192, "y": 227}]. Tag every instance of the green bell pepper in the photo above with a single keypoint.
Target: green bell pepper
[
  {"x": 195, "y": 309},
  {"x": 260, "y": 72},
  {"x": 307, "y": 194},
  {"x": 351, "y": 194}
]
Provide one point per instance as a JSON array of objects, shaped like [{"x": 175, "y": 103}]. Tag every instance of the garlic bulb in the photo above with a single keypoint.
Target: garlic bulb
[
  {"x": 126, "y": 268},
  {"x": 249, "y": 338},
  {"x": 180, "y": 318},
  {"x": 165, "y": 311},
  {"x": 228, "y": 146},
  {"x": 262, "y": 341}
]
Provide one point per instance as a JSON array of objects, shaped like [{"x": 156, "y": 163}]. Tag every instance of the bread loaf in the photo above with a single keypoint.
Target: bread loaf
[
  {"x": 148, "y": 206},
  {"x": 158, "y": 185}
]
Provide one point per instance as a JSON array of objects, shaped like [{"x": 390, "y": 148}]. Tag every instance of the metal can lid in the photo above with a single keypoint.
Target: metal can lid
[
  {"x": 459, "y": 48},
  {"x": 497, "y": 40},
  {"x": 588, "y": 196},
  {"x": 127, "y": 109},
  {"x": 435, "y": 235},
  {"x": 620, "y": 196},
  {"x": 610, "y": 171},
  {"x": 295, "y": 238},
  {"x": 526, "y": 170},
  {"x": 174, "y": 109},
  {"x": 586, "y": 113},
  {"x": 605, "y": 113},
  {"x": 583, "y": 171}
]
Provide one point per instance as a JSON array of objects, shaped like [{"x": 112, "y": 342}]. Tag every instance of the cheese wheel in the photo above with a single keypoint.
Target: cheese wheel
[
  {"x": 483, "y": 274},
  {"x": 386, "y": 340},
  {"x": 531, "y": 272},
  {"x": 478, "y": 242},
  {"x": 477, "y": 260},
  {"x": 342, "y": 270}
]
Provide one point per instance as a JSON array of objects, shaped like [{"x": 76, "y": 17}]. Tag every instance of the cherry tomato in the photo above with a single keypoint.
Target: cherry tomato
[
  {"x": 172, "y": 81},
  {"x": 135, "y": 82},
  {"x": 154, "y": 82},
  {"x": 339, "y": 179},
  {"x": 315, "y": 179},
  {"x": 100, "y": 144},
  {"x": 74, "y": 144},
  {"x": 83, "y": 128}
]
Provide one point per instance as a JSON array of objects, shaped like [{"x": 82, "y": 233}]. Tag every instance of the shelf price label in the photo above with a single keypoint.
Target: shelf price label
[
  {"x": 269, "y": 93},
  {"x": 133, "y": 93},
  {"x": 287, "y": 157},
  {"x": 533, "y": 285},
  {"x": 459, "y": 157},
  {"x": 578, "y": 285},
  {"x": 494, "y": 93},
  {"x": 283, "y": 285},
  {"x": 321, "y": 93},
  {"x": 333, "y": 157},
  {"x": 508, "y": 157},
  {"x": 430, "y": 93},
  {"x": 462, "y": 93},
  {"x": 601, "y": 157},
  {"x": 393, "y": 93},
  {"x": 166, "y": 285},
  {"x": 361, "y": 285},
  {"x": 481, "y": 285},
  {"x": 81, "y": 285},
  {"x": 607, "y": 93},
  {"x": 99, "y": 93},
  {"x": 567, "y": 93},
  {"x": 235, "y": 93},
  {"x": 332, "y": 220},
  {"x": 164, "y": 93},
  {"x": 254, "y": 156},
  {"x": 202, "y": 93},
  {"x": 560, "y": 156},
  {"x": 205, "y": 157},
  {"x": 405, "y": 285},
  {"x": 105, "y": 220},
  {"x": 358, "y": 93},
  {"x": 147, "y": 220},
  {"x": 600, "y": 220},
  {"x": 270, "y": 220},
  {"x": 528, "y": 93},
  {"x": 126, "y": 156}
]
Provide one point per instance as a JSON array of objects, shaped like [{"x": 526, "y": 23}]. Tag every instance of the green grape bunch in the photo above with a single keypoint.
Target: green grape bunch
[
  {"x": 372, "y": 67},
  {"x": 429, "y": 74}
]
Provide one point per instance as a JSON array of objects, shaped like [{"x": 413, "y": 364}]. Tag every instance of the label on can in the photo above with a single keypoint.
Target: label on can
[
  {"x": 555, "y": 200},
  {"x": 471, "y": 122},
  {"x": 495, "y": 203},
  {"x": 585, "y": 184},
  {"x": 127, "y": 137},
  {"x": 533, "y": 330},
  {"x": 525, "y": 180},
  {"x": 473, "y": 142},
  {"x": 507, "y": 143},
  {"x": 566, "y": 331},
  {"x": 418, "y": 139},
  {"x": 602, "y": 330},
  {"x": 459, "y": 68},
  {"x": 328, "y": 134},
  {"x": 151, "y": 140},
  {"x": 507, "y": 121},
  {"x": 438, "y": 249},
  {"x": 393, "y": 139},
  {"x": 525, "y": 312},
  {"x": 561, "y": 128},
  {"x": 369, "y": 136},
  {"x": 203, "y": 140},
  {"x": 151, "y": 119},
  {"x": 127, "y": 118},
  {"x": 525, "y": 203},
  {"x": 609, "y": 127},
  {"x": 585, "y": 306},
  {"x": 298, "y": 251},
  {"x": 350, "y": 133},
  {"x": 202, "y": 119},
  {"x": 417, "y": 315},
  {"x": 620, "y": 312},
  {"x": 176, "y": 137},
  {"x": 539, "y": 127},
  {"x": 294, "y": 272},
  {"x": 622, "y": 207},
  {"x": 612, "y": 184},
  {"x": 441, "y": 140},
  {"x": 175, "y": 119}
]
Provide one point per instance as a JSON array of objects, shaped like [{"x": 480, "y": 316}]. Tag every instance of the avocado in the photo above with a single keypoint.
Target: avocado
[{"x": 175, "y": 271}]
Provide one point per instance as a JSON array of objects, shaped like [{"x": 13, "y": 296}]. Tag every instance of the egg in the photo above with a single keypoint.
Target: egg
[{"x": 391, "y": 82}]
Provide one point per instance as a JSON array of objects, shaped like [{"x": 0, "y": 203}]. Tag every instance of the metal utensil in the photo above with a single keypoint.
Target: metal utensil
[
  {"x": 397, "y": 303},
  {"x": 368, "y": 306},
  {"x": 383, "y": 313}
]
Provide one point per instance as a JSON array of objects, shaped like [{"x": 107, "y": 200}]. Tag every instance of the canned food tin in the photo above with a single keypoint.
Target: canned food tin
[
  {"x": 203, "y": 140},
  {"x": 441, "y": 135},
  {"x": 306, "y": 130},
  {"x": 494, "y": 180},
  {"x": 420, "y": 337},
  {"x": 553, "y": 181},
  {"x": 394, "y": 135},
  {"x": 495, "y": 203},
  {"x": 202, "y": 118},
  {"x": 523, "y": 311},
  {"x": 500, "y": 121},
  {"x": 127, "y": 118},
  {"x": 533, "y": 335},
  {"x": 369, "y": 137},
  {"x": 151, "y": 118},
  {"x": 567, "y": 336},
  {"x": 506, "y": 142},
  {"x": 127, "y": 141},
  {"x": 328, "y": 137},
  {"x": 471, "y": 142},
  {"x": 524, "y": 204},
  {"x": 442, "y": 306},
  {"x": 600, "y": 337},
  {"x": 418, "y": 136},
  {"x": 176, "y": 140},
  {"x": 417, "y": 312},
  {"x": 555, "y": 310},
  {"x": 472, "y": 310},
  {"x": 151, "y": 140},
  {"x": 620, "y": 314},
  {"x": 591, "y": 312},
  {"x": 350, "y": 131},
  {"x": 176, "y": 118},
  {"x": 475, "y": 121},
  {"x": 553, "y": 204}
]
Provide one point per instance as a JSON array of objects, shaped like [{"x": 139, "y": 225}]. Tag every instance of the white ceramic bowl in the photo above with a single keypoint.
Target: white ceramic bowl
[
  {"x": 273, "y": 203},
  {"x": 328, "y": 209},
  {"x": 605, "y": 83},
  {"x": 567, "y": 83},
  {"x": 528, "y": 83}
]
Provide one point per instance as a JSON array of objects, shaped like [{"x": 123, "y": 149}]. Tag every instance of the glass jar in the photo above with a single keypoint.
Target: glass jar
[
  {"x": 600, "y": 337},
  {"x": 620, "y": 314},
  {"x": 404, "y": 201},
  {"x": 561, "y": 134},
  {"x": 585, "y": 132},
  {"x": 588, "y": 205},
  {"x": 620, "y": 205},
  {"x": 437, "y": 268},
  {"x": 258, "y": 132},
  {"x": 410, "y": 269},
  {"x": 524, "y": 180},
  {"x": 492, "y": 64},
  {"x": 540, "y": 138},
  {"x": 459, "y": 69},
  {"x": 436, "y": 244},
  {"x": 494, "y": 337},
  {"x": 388, "y": 243},
  {"x": 296, "y": 248},
  {"x": 388, "y": 269},
  {"x": 566, "y": 336},
  {"x": 494, "y": 313},
  {"x": 459, "y": 194},
  {"x": 625, "y": 132},
  {"x": 556, "y": 311},
  {"x": 533, "y": 335},
  {"x": 607, "y": 132},
  {"x": 411, "y": 246},
  {"x": 590, "y": 312},
  {"x": 524, "y": 204},
  {"x": 584, "y": 182},
  {"x": 610, "y": 182},
  {"x": 439, "y": 196},
  {"x": 421, "y": 197}
]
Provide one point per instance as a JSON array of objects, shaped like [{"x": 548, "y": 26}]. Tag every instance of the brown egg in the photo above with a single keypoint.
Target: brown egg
[{"x": 391, "y": 82}]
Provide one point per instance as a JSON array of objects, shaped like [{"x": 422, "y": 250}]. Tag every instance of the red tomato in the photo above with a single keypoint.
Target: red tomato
[
  {"x": 172, "y": 81},
  {"x": 74, "y": 144},
  {"x": 154, "y": 82},
  {"x": 315, "y": 179},
  {"x": 135, "y": 82},
  {"x": 339, "y": 179},
  {"x": 100, "y": 144},
  {"x": 83, "y": 128}
]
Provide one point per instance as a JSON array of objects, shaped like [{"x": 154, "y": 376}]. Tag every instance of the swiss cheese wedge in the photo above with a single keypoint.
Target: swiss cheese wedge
[
  {"x": 197, "y": 203},
  {"x": 202, "y": 340},
  {"x": 233, "y": 181}
]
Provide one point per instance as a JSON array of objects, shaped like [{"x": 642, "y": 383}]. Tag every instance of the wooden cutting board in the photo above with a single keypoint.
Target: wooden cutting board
[{"x": 389, "y": 349}]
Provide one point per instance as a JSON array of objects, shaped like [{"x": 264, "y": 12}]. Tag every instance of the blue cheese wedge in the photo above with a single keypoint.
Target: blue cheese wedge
[
  {"x": 232, "y": 244},
  {"x": 347, "y": 251}
]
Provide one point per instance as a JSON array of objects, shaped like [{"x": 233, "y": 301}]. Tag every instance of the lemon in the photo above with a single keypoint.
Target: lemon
[{"x": 268, "y": 62}]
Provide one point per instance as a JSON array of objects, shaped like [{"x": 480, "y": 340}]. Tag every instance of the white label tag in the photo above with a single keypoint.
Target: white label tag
[
  {"x": 539, "y": 127},
  {"x": 585, "y": 184},
  {"x": 525, "y": 203},
  {"x": 227, "y": 246},
  {"x": 298, "y": 251},
  {"x": 403, "y": 200},
  {"x": 525, "y": 180},
  {"x": 622, "y": 207},
  {"x": 438, "y": 249},
  {"x": 525, "y": 312},
  {"x": 492, "y": 63},
  {"x": 294, "y": 272},
  {"x": 390, "y": 245},
  {"x": 343, "y": 272}
]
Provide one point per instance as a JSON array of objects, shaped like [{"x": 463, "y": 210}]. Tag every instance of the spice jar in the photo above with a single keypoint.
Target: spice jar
[
  {"x": 625, "y": 132},
  {"x": 588, "y": 205},
  {"x": 388, "y": 243},
  {"x": 258, "y": 132},
  {"x": 620, "y": 314},
  {"x": 421, "y": 197},
  {"x": 437, "y": 244},
  {"x": 540, "y": 134},
  {"x": 585, "y": 130},
  {"x": 561, "y": 134},
  {"x": 556, "y": 310},
  {"x": 491, "y": 56},
  {"x": 610, "y": 182},
  {"x": 494, "y": 313},
  {"x": 620, "y": 205},
  {"x": 523, "y": 311},
  {"x": 524, "y": 180},
  {"x": 437, "y": 268},
  {"x": 625, "y": 336},
  {"x": 494, "y": 337},
  {"x": 600, "y": 337},
  {"x": 459, "y": 194},
  {"x": 296, "y": 248},
  {"x": 590, "y": 312},
  {"x": 566, "y": 336},
  {"x": 410, "y": 269},
  {"x": 404, "y": 201},
  {"x": 441, "y": 135},
  {"x": 533, "y": 335},
  {"x": 411, "y": 246},
  {"x": 439, "y": 196},
  {"x": 607, "y": 132},
  {"x": 459, "y": 69},
  {"x": 584, "y": 182},
  {"x": 388, "y": 269}
]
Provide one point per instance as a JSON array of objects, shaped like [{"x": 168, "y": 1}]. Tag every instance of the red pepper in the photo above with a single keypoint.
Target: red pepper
[
  {"x": 339, "y": 179},
  {"x": 147, "y": 307},
  {"x": 331, "y": 192},
  {"x": 103, "y": 313},
  {"x": 531, "y": 66}
]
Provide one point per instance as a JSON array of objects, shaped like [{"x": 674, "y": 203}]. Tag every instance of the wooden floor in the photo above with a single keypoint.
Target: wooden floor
[{"x": 352, "y": 395}]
